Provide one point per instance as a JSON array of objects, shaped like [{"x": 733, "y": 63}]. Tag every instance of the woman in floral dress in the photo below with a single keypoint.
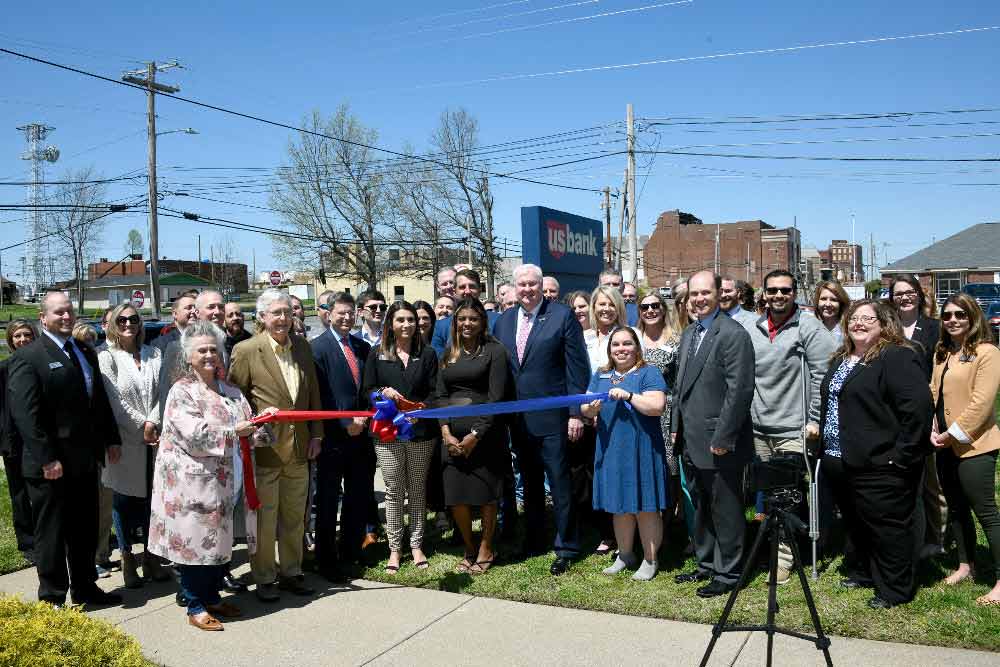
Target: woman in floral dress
[{"x": 191, "y": 518}]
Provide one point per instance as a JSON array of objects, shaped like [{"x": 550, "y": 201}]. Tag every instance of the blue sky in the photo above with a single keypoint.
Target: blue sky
[{"x": 399, "y": 65}]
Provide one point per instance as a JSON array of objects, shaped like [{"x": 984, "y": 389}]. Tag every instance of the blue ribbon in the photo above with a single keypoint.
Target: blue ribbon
[{"x": 506, "y": 407}]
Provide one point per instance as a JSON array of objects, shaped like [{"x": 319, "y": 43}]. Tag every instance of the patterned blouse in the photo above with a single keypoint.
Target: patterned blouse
[{"x": 831, "y": 427}]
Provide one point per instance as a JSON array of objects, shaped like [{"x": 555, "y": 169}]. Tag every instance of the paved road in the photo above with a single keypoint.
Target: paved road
[{"x": 368, "y": 623}]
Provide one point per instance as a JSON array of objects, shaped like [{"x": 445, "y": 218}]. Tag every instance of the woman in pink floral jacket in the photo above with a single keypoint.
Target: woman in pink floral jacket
[{"x": 191, "y": 521}]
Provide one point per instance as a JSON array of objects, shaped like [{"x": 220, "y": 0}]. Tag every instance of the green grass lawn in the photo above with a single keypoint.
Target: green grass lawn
[{"x": 940, "y": 615}]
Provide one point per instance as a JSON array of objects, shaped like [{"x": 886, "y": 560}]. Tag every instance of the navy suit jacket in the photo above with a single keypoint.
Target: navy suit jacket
[
  {"x": 555, "y": 363},
  {"x": 442, "y": 331},
  {"x": 337, "y": 390}
]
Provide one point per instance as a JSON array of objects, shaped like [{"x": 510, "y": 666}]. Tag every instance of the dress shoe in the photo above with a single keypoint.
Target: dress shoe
[
  {"x": 95, "y": 597},
  {"x": 181, "y": 599},
  {"x": 268, "y": 593},
  {"x": 691, "y": 577},
  {"x": 231, "y": 584},
  {"x": 559, "y": 566},
  {"x": 878, "y": 603},
  {"x": 205, "y": 622},
  {"x": 714, "y": 588},
  {"x": 129, "y": 573},
  {"x": 296, "y": 585},
  {"x": 851, "y": 583}
]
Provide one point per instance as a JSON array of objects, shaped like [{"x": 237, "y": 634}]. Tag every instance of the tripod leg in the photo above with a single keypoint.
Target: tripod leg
[
  {"x": 720, "y": 625},
  {"x": 822, "y": 641},
  {"x": 772, "y": 587}
]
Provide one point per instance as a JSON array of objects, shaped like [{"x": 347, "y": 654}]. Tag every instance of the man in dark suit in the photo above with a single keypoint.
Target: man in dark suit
[
  {"x": 712, "y": 429},
  {"x": 182, "y": 310},
  {"x": 347, "y": 454},
  {"x": 547, "y": 358},
  {"x": 467, "y": 286},
  {"x": 62, "y": 414}
]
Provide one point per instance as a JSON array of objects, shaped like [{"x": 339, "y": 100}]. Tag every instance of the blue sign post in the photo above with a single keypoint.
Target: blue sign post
[{"x": 568, "y": 247}]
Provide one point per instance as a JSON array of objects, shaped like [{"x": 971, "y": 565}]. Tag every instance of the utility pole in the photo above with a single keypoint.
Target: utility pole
[
  {"x": 607, "y": 224},
  {"x": 854, "y": 256},
  {"x": 199, "y": 255},
  {"x": 633, "y": 236},
  {"x": 147, "y": 79},
  {"x": 626, "y": 195},
  {"x": 871, "y": 253},
  {"x": 717, "y": 229}
]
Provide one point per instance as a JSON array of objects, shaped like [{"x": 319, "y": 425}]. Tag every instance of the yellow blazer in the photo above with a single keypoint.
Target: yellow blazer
[
  {"x": 255, "y": 371},
  {"x": 970, "y": 392}
]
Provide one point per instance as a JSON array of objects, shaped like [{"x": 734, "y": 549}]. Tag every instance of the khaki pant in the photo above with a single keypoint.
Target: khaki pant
[
  {"x": 765, "y": 447},
  {"x": 105, "y": 497},
  {"x": 282, "y": 491}
]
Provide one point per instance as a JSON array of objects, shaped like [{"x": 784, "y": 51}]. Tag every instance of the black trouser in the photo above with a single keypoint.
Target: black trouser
[
  {"x": 537, "y": 458},
  {"x": 65, "y": 513},
  {"x": 885, "y": 499},
  {"x": 834, "y": 489},
  {"x": 581, "y": 467},
  {"x": 969, "y": 486},
  {"x": 719, "y": 523},
  {"x": 348, "y": 462},
  {"x": 20, "y": 505}
]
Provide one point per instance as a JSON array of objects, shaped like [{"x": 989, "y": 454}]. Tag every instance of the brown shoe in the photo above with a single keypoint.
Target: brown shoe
[
  {"x": 205, "y": 621},
  {"x": 370, "y": 539},
  {"x": 224, "y": 609}
]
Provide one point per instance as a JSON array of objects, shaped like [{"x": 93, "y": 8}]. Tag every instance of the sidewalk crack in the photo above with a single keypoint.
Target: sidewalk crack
[{"x": 417, "y": 631}]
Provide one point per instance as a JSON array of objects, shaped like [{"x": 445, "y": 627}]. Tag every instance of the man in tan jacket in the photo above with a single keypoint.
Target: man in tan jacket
[{"x": 276, "y": 369}]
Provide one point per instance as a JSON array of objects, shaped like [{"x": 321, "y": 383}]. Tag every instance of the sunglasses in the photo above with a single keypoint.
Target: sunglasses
[
  {"x": 377, "y": 307},
  {"x": 771, "y": 291},
  {"x": 899, "y": 296},
  {"x": 958, "y": 314},
  {"x": 131, "y": 319},
  {"x": 649, "y": 306}
]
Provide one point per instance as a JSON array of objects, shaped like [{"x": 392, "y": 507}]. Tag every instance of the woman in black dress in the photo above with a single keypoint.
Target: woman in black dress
[{"x": 473, "y": 448}]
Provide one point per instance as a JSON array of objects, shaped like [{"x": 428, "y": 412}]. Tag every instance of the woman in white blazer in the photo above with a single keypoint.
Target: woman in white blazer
[{"x": 130, "y": 371}]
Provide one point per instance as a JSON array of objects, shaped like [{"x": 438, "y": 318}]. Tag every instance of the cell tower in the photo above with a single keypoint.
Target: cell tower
[{"x": 35, "y": 261}]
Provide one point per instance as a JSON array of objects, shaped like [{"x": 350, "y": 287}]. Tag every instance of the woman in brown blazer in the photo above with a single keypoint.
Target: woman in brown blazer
[{"x": 964, "y": 387}]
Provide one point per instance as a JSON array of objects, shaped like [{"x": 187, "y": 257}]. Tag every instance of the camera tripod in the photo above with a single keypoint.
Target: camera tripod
[{"x": 780, "y": 525}]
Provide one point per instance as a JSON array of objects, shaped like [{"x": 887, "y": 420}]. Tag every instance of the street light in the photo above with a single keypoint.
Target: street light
[{"x": 186, "y": 130}]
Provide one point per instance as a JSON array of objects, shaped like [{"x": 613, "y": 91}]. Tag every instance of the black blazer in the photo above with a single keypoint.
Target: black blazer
[
  {"x": 884, "y": 410},
  {"x": 50, "y": 408},
  {"x": 10, "y": 441},
  {"x": 926, "y": 334},
  {"x": 416, "y": 382},
  {"x": 337, "y": 390},
  {"x": 713, "y": 393}
]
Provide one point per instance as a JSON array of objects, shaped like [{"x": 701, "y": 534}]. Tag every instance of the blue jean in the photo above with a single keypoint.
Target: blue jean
[
  {"x": 130, "y": 517},
  {"x": 200, "y": 585}
]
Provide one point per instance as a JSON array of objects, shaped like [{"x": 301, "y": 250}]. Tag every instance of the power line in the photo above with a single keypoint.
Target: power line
[
  {"x": 714, "y": 56},
  {"x": 466, "y": 11},
  {"x": 502, "y": 17},
  {"x": 286, "y": 126},
  {"x": 823, "y": 158}
]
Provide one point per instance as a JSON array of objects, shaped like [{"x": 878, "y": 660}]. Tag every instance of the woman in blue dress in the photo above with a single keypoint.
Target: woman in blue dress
[{"x": 629, "y": 465}]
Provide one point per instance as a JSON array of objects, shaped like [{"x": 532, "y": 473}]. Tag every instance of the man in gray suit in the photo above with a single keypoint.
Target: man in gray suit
[{"x": 712, "y": 429}]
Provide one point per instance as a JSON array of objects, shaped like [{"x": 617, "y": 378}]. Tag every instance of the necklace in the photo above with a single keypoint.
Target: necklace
[
  {"x": 618, "y": 378},
  {"x": 472, "y": 354}
]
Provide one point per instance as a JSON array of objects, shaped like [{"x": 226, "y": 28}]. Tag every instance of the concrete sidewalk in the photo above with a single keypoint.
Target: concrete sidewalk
[{"x": 367, "y": 623}]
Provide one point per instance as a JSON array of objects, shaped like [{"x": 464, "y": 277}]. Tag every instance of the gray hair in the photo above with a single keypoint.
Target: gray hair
[
  {"x": 199, "y": 329},
  {"x": 269, "y": 296},
  {"x": 528, "y": 268},
  {"x": 552, "y": 278}
]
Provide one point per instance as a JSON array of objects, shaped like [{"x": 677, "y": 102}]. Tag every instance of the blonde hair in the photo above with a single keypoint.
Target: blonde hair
[
  {"x": 615, "y": 297},
  {"x": 670, "y": 328},
  {"x": 114, "y": 332},
  {"x": 85, "y": 333}
]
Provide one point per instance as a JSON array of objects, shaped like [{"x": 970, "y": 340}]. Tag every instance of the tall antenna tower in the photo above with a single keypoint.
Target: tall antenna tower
[{"x": 36, "y": 263}]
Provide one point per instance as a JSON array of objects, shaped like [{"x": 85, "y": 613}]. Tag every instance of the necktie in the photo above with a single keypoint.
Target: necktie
[
  {"x": 68, "y": 349},
  {"x": 352, "y": 361},
  {"x": 695, "y": 341},
  {"x": 522, "y": 336}
]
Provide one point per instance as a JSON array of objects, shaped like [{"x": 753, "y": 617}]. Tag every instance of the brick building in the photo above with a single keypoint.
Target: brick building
[
  {"x": 682, "y": 244},
  {"x": 970, "y": 256},
  {"x": 840, "y": 265},
  {"x": 230, "y": 277}
]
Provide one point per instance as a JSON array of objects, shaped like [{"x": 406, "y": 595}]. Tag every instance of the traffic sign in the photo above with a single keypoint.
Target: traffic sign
[
  {"x": 275, "y": 277},
  {"x": 138, "y": 298}
]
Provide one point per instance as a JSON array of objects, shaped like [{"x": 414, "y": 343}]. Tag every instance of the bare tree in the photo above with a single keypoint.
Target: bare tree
[
  {"x": 78, "y": 224},
  {"x": 224, "y": 262},
  {"x": 334, "y": 200},
  {"x": 465, "y": 198},
  {"x": 133, "y": 244}
]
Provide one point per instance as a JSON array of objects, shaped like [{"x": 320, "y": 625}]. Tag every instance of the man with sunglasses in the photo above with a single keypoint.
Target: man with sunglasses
[
  {"x": 782, "y": 337},
  {"x": 371, "y": 310}
]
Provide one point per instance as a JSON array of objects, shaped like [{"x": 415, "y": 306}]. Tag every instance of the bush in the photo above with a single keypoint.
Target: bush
[{"x": 37, "y": 634}]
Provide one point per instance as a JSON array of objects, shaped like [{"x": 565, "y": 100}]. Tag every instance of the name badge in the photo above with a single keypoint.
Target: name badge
[
  {"x": 382, "y": 357},
  {"x": 605, "y": 376},
  {"x": 55, "y": 364}
]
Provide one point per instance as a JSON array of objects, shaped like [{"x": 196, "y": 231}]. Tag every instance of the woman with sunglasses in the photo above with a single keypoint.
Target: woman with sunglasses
[
  {"x": 875, "y": 420},
  {"x": 130, "y": 371},
  {"x": 964, "y": 387}
]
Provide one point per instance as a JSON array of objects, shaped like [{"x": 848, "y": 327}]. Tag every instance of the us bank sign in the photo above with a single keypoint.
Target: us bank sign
[{"x": 569, "y": 247}]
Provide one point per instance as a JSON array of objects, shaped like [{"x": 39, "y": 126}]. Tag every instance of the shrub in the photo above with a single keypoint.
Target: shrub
[{"x": 37, "y": 634}]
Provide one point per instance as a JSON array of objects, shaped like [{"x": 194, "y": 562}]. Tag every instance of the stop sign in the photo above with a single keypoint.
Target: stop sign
[
  {"x": 138, "y": 298},
  {"x": 275, "y": 278}
]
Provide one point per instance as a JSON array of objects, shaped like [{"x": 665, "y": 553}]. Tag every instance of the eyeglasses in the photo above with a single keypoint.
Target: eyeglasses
[
  {"x": 958, "y": 314},
  {"x": 774, "y": 290},
  {"x": 377, "y": 307},
  {"x": 131, "y": 319},
  {"x": 908, "y": 294},
  {"x": 649, "y": 306},
  {"x": 863, "y": 319}
]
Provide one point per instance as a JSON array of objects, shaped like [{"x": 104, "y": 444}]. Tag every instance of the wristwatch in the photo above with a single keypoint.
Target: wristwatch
[
  {"x": 629, "y": 399},
  {"x": 475, "y": 434}
]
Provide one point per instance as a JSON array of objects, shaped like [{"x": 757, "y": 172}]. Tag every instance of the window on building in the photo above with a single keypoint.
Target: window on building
[
  {"x": 397, "y": 293},
  {"x": 946, "y": 284}
]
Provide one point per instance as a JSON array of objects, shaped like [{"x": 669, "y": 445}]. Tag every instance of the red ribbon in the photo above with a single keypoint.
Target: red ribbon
[
  {"x": 309, "y": 415},
  {"x": 249, "y": 484}
]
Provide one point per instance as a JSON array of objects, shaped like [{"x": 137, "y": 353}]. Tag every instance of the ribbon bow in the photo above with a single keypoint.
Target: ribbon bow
[{"x": 389, "y": 421}]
